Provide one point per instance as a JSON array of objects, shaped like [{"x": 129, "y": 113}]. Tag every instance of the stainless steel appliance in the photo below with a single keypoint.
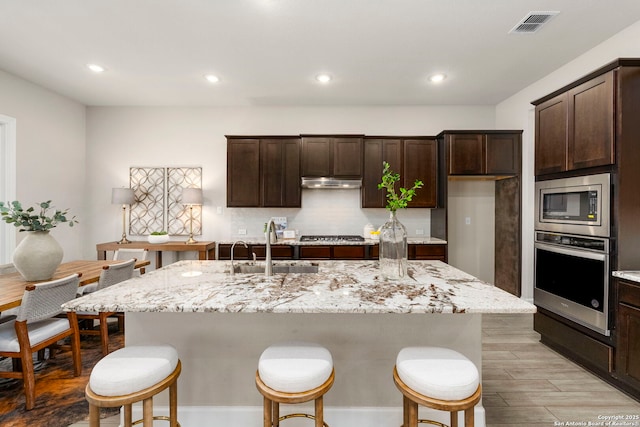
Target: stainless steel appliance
[
  {"x": 577, "y": 205},
  {"x": 332, "y": 238},
  {"x": 572, "y": 278}
]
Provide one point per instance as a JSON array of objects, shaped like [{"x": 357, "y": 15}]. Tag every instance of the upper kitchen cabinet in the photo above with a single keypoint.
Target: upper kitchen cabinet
[
  {"x": 332, "y": 156},
  {"x": 376, "y": 151},
  {"x": 243, "y": 172},
  {"x": 575, "y": 129},
  {"x": 263, "y": 172},
  {"x": 414, "y": 159},
  {"x": 280, "y": 165},
  {"x": 420, "y": 160},
  {"x": 475, "y": 153}
]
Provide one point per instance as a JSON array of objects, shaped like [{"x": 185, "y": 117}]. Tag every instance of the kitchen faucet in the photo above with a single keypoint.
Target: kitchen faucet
[
  {"x": 233, "y": 247},
  {"x": 268, "y": 268}
]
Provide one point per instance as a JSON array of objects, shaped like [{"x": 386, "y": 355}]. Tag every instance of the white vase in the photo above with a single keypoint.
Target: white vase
[{"x": 37, "y": 256}]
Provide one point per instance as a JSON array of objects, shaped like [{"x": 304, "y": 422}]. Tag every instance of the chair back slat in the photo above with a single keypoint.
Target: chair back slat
[
  {"x": 126, "y": 254},
  {"x": 116, "y": 273},
  {"x": 44, "y": 300}
]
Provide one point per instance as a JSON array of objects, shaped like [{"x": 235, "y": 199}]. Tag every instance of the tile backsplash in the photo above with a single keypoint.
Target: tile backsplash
[{"x": 324, "y": 212}]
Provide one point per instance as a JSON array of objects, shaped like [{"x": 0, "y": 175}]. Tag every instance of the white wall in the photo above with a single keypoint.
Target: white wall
[
  {"x": 516, "y": 112},
  {"x": 50, "y": 137},
  {"x": 120, "y": 137}
]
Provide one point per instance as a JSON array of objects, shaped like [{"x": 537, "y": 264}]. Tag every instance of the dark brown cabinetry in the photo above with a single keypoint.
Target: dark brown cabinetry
[
  {"x": 243, "y": 173},
  {"x": 628, "y": 341},
  {"x": 332, "y": 156},
  {"x": 280, "y": 165},
  {"x": 434, "y": 252},
  {"x": 414, "y": 159},
  {"x": 483, "y": 154},
  {"x": 282, "y": 252},
  {"x": 576, "y": 129},
  {"x": 263, "y": 172},
  {"x": 353, "y": 252}
]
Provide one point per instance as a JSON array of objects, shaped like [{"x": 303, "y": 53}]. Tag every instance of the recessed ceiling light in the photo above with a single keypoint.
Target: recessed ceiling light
[
  {"x": 323, "y": 78},
  {"x": 96, "y": 68},
  {"x": 212, "y": 78},
  {"x": 437, "y": 78}
]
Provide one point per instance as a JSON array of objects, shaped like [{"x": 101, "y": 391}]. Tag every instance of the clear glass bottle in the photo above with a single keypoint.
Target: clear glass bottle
[{"x": 393, "y": 249}]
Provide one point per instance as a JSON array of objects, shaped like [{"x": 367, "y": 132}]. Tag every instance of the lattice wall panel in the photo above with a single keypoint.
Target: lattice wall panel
[
  {"x": 177, "y": 214},
  {"x": 147, "y": 213}
]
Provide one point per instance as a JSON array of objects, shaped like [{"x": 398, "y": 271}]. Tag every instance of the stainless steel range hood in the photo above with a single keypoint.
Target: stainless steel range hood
[{"x": 330, "y": 183}]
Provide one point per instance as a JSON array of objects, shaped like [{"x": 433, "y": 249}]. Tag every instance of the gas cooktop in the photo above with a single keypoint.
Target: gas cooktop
[{"x": 334, "y": 238}]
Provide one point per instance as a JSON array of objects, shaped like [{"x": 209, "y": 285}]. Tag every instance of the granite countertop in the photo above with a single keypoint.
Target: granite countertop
[
  {"x": 295, "y": 242},
  {"x": 338, "y": 287},
  {"x": 632, "y": 275}
]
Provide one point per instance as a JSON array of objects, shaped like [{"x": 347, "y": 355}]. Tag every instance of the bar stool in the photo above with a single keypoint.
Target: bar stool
[
  {"x": 294, "y": 372},
  {"x": 134, "y": 374},
  {"x": 438, "y": 378}
]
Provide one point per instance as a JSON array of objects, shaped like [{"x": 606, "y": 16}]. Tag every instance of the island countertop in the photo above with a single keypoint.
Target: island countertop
[{"x": 338, "y": 287}]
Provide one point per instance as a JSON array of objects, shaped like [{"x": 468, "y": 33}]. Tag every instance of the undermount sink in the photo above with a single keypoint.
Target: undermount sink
[{"x": 277, "y": 269}]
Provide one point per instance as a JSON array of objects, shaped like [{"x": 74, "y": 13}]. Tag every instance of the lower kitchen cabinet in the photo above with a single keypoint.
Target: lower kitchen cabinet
[
  {"x": 418, "y": 252},
  {"x": 242, "y": 253},
  {"x": 628, "y": 334},
  {"x": 337, "y": 252}
]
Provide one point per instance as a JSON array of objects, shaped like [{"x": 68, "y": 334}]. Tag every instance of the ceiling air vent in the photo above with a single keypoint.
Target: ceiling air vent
[{"x": 532, "y": 22}]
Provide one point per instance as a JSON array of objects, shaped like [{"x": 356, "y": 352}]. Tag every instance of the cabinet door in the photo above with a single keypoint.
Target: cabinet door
[
  {"x": 347, "y": 157},
  {"x": 466, "y": 154},
  {"x": 375, "y": 152},
  {"x": 628, "y": 331},
  {"x": 243, "y": 173},
  {"x": 551, "y": 135},
  {"x": 591, "y": 123},
  {"x": 420, "y": 160},
  {"x": 317, "y": 156},
  {"x": 502, "y": 153},
  {"x": 280, "y": 162}
]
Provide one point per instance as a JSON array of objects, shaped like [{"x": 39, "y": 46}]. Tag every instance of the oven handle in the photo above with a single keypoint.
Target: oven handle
[{"x": 571, "y": 251}]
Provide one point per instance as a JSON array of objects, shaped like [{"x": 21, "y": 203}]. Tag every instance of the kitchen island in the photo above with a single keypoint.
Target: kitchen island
[{"x": 220, "y": 323}]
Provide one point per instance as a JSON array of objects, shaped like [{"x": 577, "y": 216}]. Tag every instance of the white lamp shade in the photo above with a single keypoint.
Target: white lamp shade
[
  {"x": 191, "y": 196},
  {"x": 122, "y": 196}
]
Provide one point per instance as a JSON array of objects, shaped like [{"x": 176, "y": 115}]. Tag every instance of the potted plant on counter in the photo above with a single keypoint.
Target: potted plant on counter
[
  {"x": 38, "y": 255},
  {"x": 158, "y": 237},
  {"x": 393, "y": 235}
]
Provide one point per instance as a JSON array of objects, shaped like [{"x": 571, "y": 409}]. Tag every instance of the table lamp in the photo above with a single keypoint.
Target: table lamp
[
  {"x": 124, "y": 197},
  {"x": 191, "y": 197}
]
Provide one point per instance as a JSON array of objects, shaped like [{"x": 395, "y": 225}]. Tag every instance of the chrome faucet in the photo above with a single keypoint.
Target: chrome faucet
[
  {"x": 232, "y": 248},
  {"x": 268, "y": 268}
]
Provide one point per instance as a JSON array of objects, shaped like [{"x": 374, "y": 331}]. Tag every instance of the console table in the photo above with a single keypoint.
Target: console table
[{"x": 206, "y": 250}]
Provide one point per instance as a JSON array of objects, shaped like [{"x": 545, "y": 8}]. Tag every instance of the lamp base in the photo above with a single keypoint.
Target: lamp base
[
  {"x": 124, "y": 240},
  {"x": 191, "y": 241}
]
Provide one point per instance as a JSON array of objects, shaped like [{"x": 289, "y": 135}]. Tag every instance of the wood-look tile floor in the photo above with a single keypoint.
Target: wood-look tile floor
[{"x": 525, "y": 384}]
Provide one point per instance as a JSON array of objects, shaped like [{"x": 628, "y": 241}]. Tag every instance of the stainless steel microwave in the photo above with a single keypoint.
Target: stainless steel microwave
[{"x": 577, "y": 205}]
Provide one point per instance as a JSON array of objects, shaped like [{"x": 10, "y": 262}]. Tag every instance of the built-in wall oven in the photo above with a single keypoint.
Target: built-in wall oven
[{"x": 573, "y": 249}]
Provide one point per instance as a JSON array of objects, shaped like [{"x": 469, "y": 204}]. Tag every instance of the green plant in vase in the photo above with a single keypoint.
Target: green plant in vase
[{"x": 393, "y": 235}]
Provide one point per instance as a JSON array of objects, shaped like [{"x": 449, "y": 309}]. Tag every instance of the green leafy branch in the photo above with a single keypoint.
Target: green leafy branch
[
  {"x": 29, "y": 220},
  {"x": 395, "y": 201}
]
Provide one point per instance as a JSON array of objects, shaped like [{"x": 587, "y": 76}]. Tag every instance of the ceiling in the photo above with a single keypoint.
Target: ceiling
[{"x": 268, "y": 52}]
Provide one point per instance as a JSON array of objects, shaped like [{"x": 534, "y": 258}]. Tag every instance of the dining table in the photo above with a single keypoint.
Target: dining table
[{"x": 12, "y": 285}]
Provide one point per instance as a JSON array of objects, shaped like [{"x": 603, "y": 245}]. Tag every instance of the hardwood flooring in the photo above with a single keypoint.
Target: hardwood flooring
[{"x": 528, "y": 385}]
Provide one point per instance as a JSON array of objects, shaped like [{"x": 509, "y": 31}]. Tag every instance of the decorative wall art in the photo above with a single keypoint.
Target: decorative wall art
[{"x": 158, "y": 206}]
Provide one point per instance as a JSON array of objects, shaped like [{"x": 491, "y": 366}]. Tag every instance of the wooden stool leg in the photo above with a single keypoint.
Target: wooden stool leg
[
  {"x": 405, "y": 411},
  {"x": 173, "y": 404},
  {"x": 319, "y": 412},
  {"x": 468, "y": 417},
  {"x": 128, "y": 416},
  {"x": 276, "y": 414},
  {"x": 454, "y": 418},
  {"x": 147, "y": 412},
  {"x": 104, "y": 333},
  {"x": 413, "y": 414},
  {"x": 94, "y": 416},
  {"x": 267, "y": 413}
]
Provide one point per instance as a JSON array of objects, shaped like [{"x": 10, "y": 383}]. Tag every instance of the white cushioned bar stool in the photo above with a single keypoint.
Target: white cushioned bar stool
[
  {"x": 294, "y": 372},
  {"x": 438, "y": 378},
  {"x": 133, "y": 374}
]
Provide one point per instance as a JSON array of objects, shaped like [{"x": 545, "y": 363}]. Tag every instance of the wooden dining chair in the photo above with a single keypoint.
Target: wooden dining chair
[
  {"x": 110, "y": 275},
  {"x": 36, "y": 328}
]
